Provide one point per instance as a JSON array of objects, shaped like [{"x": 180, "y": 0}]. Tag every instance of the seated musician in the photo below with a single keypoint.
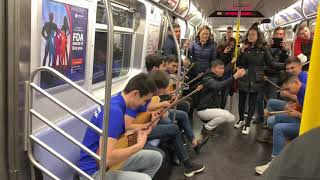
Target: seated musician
[
  {"x": 210, "y": 107},
  {"x": 171, "y": 65},
  {"x": 293, "y": 66},
  {"x": 138, "y": 164},
  {"x": 165, "y": 131},
  {"x": 155, "y": 62},
  {"x": 286, "y": 125},
  {"x": 182, "y": 117}
]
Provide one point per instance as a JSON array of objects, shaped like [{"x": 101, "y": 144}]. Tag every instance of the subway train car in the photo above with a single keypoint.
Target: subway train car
[{"x": 194, "y": 89}]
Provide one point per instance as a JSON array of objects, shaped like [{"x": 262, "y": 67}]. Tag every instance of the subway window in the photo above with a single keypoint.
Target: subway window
[
  {"x": 122, "y": 17},
  {"x": 122, "y": 45},
  {"x": 121, "y": 55}
]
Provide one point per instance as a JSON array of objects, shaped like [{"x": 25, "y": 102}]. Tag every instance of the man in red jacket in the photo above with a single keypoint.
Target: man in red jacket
[{"x": 303, "y": 45}]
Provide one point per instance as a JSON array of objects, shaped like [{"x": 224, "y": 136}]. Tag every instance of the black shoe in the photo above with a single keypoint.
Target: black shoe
[
  {"x": 264, "y": 136},
  {"x": 175, "y": 160},
  {"x": 200, "y": 144},
  {"x": 255, "y": 122},
  {"x": 206, "y": 132},
  {"x": 194, "y": 168},
  {"x": 263, "y": 139}
]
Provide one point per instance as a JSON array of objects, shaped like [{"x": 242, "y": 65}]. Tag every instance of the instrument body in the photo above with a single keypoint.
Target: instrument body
[{"x": 131, "y": 137}]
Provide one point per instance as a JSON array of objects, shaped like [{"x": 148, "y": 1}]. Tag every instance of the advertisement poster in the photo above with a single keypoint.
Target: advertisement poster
[
  {"x": 63, "y": 41},
  {"x": 153, "y": 39}
]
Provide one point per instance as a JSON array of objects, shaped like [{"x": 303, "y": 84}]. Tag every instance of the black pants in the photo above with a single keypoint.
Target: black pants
[{"x": 251, "y": 105}]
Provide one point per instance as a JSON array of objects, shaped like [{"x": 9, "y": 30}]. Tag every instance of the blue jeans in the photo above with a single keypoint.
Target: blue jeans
[
  {"x": 276, "y": 105},
  {"x": 270, "y": 92},
  {"x": 281, "y": 118},
  {"x": 281, "y": 132},
  {"x": 170, "y": 133},
  {"x": 183, "y": 121}
]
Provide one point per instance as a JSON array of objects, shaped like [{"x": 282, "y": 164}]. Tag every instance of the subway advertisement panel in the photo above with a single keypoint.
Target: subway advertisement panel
[{"x": 63, "y": 41}]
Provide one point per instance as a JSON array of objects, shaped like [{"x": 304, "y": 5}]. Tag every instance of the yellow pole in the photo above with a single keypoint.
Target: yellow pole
[
  {"x": 237, "y": 39},
  {"x": 311, "y": 113}
]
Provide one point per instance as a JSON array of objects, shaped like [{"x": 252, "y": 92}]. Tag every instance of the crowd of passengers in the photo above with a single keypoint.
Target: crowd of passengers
[{"x": 212, "y": 65}]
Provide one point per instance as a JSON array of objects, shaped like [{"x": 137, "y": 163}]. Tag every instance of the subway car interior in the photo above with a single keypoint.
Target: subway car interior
[{"x": 194, "y": 89}]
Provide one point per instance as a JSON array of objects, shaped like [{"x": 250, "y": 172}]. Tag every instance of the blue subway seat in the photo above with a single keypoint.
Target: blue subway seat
[{"x": 63, "y": 146}]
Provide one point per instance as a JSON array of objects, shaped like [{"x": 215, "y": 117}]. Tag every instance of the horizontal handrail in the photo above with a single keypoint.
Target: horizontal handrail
[
  {"x": 62, "y": 77},
  {"x": 63, "y": 133},
  {"x": 59, "y": 156},
  {"x": 38, "y": 165},
  {"x": 63, "y": 106},
  {"x": 32, "y": 86}
]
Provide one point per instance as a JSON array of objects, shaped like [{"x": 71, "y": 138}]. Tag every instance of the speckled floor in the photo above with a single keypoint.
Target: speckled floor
[{"x": 227, "y": 156}]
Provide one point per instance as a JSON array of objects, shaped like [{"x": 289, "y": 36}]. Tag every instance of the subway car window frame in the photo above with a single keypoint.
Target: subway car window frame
[{"x": 124, "y": 21}]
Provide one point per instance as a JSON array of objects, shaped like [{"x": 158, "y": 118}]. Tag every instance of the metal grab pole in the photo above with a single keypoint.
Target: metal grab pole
[
  {"x": 107, "y": 92},
  {"x": 165, "y": 8},
  {"x": 179, "y": 60},
  {"x": 302, "y": 10}
]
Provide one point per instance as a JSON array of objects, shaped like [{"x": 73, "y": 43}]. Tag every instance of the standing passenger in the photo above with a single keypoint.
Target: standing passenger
[
  {"x": 169, "y": 46},
  {"x": 202, "y": 51},
  {"x": 280, "y": 54},
  {"x": 254, "y": 57}
]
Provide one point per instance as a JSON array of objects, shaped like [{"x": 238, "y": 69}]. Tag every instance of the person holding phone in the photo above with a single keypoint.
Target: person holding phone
[
  {"x": 280, "y": 54},
  {"x": 226, "y": 56},
  {"x": 254, "y": 57}
]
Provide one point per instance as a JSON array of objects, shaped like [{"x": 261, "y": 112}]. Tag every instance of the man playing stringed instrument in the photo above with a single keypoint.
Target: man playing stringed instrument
[
  {"x": 138, "y": 164},
  {"x": 293, "y": 66},
  {"x": 286, "y": 125},
  {"x": 171, "y": 66},
  {"x": 154, "y": 63},
  {"x": 164, "y": 130}
]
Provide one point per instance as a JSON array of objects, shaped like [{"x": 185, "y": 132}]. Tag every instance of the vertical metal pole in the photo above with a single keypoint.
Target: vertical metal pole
[
  {"x": 302, "y": 10},
  {"x": 29, "y": 128},
  {"x": 179, "y": 60},
  {"x": 26, "y": 115},
  {"x": 107, "y": 93}
]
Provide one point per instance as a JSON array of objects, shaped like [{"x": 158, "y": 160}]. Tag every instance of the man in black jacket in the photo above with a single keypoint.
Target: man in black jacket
[
  {"x": 210, "y": 108},
  {"x": 279, "y": 54}
]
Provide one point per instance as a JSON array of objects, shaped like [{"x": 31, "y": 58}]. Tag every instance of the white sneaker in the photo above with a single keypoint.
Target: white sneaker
[
  {"x": 261, "y": 169},
  {"x": 239, "y": 124},
  {"x": 245, "y": 130}
]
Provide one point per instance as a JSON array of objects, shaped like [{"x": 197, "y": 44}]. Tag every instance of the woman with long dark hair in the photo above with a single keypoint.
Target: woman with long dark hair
[{"x": 254, "y": 57}]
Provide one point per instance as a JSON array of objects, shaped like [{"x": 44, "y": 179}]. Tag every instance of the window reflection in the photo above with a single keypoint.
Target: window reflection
[
  {"x": 121, "y": 17},
  {"x": 121, "y": 55}
]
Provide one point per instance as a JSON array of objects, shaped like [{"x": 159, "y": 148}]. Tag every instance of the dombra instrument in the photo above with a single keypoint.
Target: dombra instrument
[
  {"x": 131, "y": 137},
  {"x": 278, "y": 112},
  {"x": 172, "y": 86},
  {"x": 296, "y": 106}
]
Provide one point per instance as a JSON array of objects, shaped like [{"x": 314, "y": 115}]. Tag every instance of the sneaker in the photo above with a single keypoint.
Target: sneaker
[
  {"x": 239, "y": 124},
  {"x": 193, "y": 169},
  {"x": 206, "y": 132},
  {"x": 261, "y": 169},
  {"x": 245, "y": 130},
  {"x": 200, "y": 144}
]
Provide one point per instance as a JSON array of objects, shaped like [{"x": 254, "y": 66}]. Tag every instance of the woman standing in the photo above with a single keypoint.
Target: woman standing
[
  {"x": 202, "y": 51},
  {"x": 254, "y": 56}
]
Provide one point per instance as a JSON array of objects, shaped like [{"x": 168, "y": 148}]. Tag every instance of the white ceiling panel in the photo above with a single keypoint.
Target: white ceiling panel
[{"x": 267, "y": 7}]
